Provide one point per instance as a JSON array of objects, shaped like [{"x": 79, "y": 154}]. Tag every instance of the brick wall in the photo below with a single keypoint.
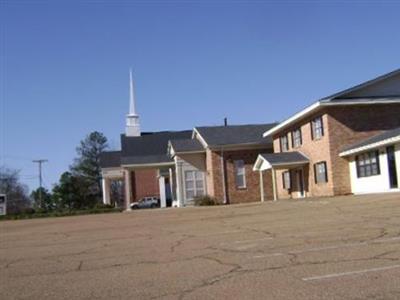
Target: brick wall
[
  {"x": 316, "y": 151},
  {"x": 238, "y": 195},
  {"x": 144, "y": 184},
  {"x": 349, "y": 125},
  {"x": 343, "y": 126}
]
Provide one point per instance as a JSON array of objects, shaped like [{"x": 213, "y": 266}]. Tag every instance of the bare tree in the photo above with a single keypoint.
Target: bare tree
[{"x": 17, "y": 193}]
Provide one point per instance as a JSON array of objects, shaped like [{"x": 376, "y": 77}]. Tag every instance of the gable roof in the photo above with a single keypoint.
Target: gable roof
[
  {"x": 149, "y": 148},
  {"x": 386, "y": 138},
  {"x": 360, "y": 86},
  {"x": 340, "y": 99},
  {"x": 231, "y": 135},
  {"x": 186, "y": 145},
  {"x": 283, "y": 159}
]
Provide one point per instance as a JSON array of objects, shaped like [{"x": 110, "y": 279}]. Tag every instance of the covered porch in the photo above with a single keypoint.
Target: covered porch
[
  {"x": 126, "y": 174},
  {"x": 292, "y": 166},
  {"x": 162, "y": 178}
]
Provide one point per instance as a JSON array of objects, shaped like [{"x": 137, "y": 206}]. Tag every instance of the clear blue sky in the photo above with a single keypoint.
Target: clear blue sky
[{"x": 64, "y": 66}]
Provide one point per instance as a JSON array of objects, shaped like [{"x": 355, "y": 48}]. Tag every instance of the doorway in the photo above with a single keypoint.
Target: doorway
[
  {"x": 300, "y": 183},
  {"x": 392, "y": 167}
]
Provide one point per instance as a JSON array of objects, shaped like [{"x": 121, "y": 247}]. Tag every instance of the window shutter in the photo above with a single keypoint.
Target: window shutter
[
  {"x": 283, "y": 180},
  {"x": 326, "y": 172},
  {"x": 292, "y": 139},
  {"x": 377, "y": 162},
  {"x": 312, "y": 130},
  {"x": 301, "y": 137},
  {"x": 315, "y": 173},
  {"x": 322, "y": 126}
]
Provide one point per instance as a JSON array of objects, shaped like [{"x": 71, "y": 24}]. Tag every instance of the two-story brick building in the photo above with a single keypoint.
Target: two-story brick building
[{"x": 309, "y": 157}]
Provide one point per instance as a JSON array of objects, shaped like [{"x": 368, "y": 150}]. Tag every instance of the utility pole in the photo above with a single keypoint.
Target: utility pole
[{"x": 40, "y": 162}]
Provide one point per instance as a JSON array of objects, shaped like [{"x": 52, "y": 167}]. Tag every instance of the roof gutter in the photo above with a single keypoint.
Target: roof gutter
[
  {"x": 148, "y": 165},
  {"x": 357, "y": 150}
]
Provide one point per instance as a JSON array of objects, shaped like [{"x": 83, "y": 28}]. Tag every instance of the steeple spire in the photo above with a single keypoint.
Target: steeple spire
[
  {"x": 132, "y": 119},
  {"x": 132, "y": 104}
]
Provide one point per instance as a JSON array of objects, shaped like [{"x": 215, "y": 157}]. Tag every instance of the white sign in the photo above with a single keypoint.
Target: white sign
[{"x": 3, "y": 204}]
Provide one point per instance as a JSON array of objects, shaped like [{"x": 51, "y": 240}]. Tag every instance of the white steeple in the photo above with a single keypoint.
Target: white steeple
[{"x": 132, "y": 119}]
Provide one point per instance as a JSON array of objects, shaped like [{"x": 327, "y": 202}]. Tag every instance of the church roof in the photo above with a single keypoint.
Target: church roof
[{"x": 250, "y": 134}]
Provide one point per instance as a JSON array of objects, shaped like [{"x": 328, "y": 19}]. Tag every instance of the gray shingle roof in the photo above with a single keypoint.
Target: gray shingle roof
[
  {"x": 146, "y": 159},
  {"x": 187, "y": 145},
  {"x": 110, "y": 159},
  {"x": 235, "y": 134},
  {"x": 375, "y": 139},
  {"x": 149, "y": 148},
  {"x": 362, "y": 85},
  {"x": 285, "y": 158}
]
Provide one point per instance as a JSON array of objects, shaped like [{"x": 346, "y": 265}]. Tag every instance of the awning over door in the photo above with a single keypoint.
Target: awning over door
[{"x": 284, "y": 160}]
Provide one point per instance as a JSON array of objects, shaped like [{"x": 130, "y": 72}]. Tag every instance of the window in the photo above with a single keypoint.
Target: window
[
  {"x": 194, "y": 184},
  {"x": 320, "y": 172},
  {"x": 286, "y": 180},
  {"x": 317, "y": 128},
  {"x": 296, "y": 138},
  {"x": 240, "y": 174},
  {"x": 368, "y": 164},
  {"x": 284, "y": 143}
]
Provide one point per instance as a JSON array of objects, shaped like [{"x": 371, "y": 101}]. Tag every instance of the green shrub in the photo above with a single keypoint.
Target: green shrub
[
  {"x": 103, "y": 206},
  {"x": 205, "y": 201}
]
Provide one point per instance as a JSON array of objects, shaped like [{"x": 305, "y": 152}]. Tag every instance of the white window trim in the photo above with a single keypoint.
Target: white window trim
[
  {"x": 237, "y": 174},
  {"x": 194, "y": 189}
]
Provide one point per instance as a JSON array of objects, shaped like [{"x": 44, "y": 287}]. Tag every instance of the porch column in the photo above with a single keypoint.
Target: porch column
[
  {"x": 172, "y": 184},
  {"x": 179, "y": 187},
  {"x": 274, "y": 188},
  {"x": 262, "y": 186},
  {"x": 128, "y": 189},
  {"x": 106, "y": 183},
  {"x": 163, "y": 197}
]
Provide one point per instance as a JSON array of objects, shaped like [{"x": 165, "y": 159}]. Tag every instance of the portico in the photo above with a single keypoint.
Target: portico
[{"x": 293, "y": 165}]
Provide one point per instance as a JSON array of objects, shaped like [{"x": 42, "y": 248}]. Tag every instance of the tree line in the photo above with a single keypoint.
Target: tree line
[{"x": 78, "y": 188}]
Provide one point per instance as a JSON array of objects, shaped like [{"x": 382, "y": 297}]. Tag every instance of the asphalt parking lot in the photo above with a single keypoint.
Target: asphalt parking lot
[{"x": 328, "y": 248}]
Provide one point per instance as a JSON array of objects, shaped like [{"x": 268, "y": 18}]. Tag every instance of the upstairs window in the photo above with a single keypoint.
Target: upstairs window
[
  {"x": 317, "y": 128},
  {"x": 286, "y": 180},
  {"x": 368, "y": 164},
  {"x": 321, "y": 173},
  {"x": 240, "y": 174},
  {"x": 296, "y": 138},
  {"x": 284, "y": 143}
]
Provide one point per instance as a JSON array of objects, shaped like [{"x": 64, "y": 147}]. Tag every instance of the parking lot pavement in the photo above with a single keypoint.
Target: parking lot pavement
[{"x": 328, "y": 248}]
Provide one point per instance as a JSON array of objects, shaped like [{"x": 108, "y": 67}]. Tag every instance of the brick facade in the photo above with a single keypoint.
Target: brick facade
[
  {"x": 144, "y": 184},
  {"x": 343, "y": 126},
  {"x": 251, "y": 193}
]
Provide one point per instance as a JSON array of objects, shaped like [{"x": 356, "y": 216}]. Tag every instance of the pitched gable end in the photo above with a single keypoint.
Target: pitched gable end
[{"x": 387, "y": 85}]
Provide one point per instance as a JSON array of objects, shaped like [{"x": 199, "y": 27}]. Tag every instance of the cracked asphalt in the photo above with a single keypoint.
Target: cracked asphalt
[{"x": 327, "y": 248}]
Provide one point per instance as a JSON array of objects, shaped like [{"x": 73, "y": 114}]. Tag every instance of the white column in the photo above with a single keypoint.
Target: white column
[
  {"x": 171, "y": 184},
  {"x": 163, "y": 197},
  {"x": 262, "y": 186},
  {"x": 179, "y": 185},
  {"x": 128, "y": 189},
  {"x": 274, "y": 184},
  {"x": 106, "y": 183}
]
